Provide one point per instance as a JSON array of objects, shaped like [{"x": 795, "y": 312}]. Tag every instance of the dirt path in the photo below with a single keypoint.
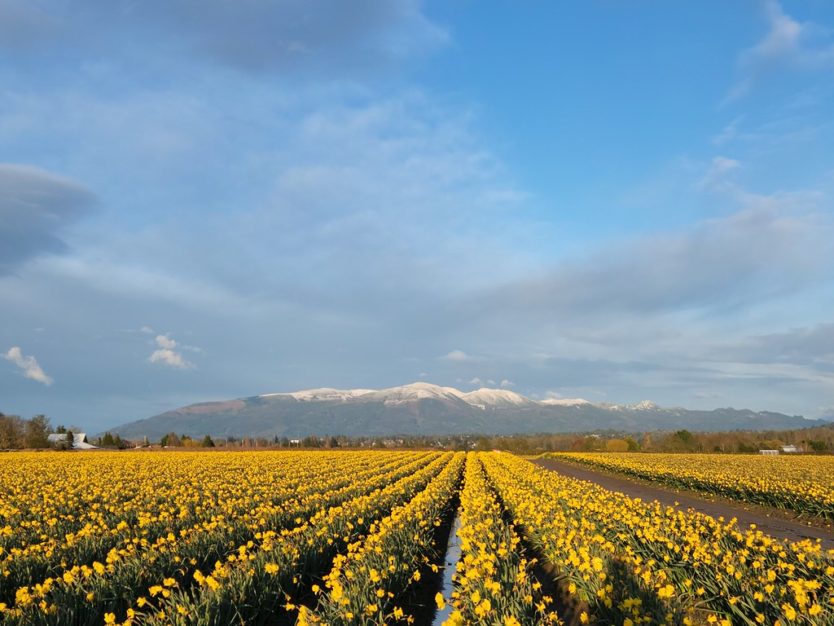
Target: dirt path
[{"x": 769, "y": 523}]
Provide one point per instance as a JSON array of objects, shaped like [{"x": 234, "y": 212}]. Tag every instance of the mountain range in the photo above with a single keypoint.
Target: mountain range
[{"x": 425, "y": 409}]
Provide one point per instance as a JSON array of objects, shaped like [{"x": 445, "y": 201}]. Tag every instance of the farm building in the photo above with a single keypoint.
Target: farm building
[
  {"x": 769, "y": 452},
  {"x": 79, "y": 440}
]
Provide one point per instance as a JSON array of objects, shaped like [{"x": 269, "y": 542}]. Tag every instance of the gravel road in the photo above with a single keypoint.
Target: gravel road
[{"x": 772, "y": 524}]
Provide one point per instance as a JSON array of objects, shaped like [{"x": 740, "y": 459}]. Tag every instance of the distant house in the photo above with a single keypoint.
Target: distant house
[
  {"x": 78, "y": 440},
  {"x": 790, "y": 449},
  {"x": 769, "y": 452},
  {"x": 295, "y": 442}
]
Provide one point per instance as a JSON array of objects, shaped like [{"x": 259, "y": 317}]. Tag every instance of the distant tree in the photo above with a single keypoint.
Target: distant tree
[
  {"x": 771, "y": 444},
  {"x": 681, "y": 441},
  {"x": 616, "y": 445},
  {"x": 817, "y": 445},
  {"x": 107, "y": 441},
  {"x": 685, "y": 436},
  {"x": 208, "y": 442},
  {"x": 171, "y": 440},
  {"x": 11, "y": 432},
  {"x": 633, "y": 446},
  {"x": 37, "y": 432}
]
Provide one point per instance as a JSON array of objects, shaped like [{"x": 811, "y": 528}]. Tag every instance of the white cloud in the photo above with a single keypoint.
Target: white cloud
[
  {"x": 167, "y": 355},
  {"x": 782, "y": 40},
  {"x": 456, "y": 355},
  {"x": 477, "y": 382},
  {"x": 28, "y": 364},
  {"x": 729, "y": 132},
  {"x": 788, "y": 43},
  {"x": 163, "y": 341},
  {"x": 716, "y": 178},
  {"x": 352, "y": 214},
  {"x": 773, "y": 246},
  {"x": 507, "y": 384}
]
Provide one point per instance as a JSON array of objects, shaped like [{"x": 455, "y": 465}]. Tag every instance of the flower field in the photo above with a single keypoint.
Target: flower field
[
  {"x": 803, "y": 484},
  {"x": 359, "y": 538}
]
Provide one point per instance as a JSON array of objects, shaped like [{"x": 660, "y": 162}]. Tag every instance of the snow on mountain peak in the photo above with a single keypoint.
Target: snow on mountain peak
[
  {"x": 323, "y": 394},
  {"x": 485, "y": 396},
  {"x": 482, "y": 398},
  {"x": 417, "y": 391},
  {"x": 565, "y": 402}
]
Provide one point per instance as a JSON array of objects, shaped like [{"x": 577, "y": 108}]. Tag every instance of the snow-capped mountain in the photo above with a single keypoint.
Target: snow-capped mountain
[
  {"x": 481, "y": 398},
  {"x": 565, "y": 402},
  {"x": 424, "y": 408},
  {"x": 417, "y": 391},
  {"x": 485, "y": 397},
  {"x": 643, "y": 405},
  {"x": 323, "y": 394}
]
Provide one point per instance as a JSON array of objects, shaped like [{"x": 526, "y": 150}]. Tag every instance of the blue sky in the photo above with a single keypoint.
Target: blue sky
[{"x": 618, "y": 201}]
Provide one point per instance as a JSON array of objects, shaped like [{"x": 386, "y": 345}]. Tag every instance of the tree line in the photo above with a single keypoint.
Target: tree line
[
  {"x": 19, "y": 433},
  {"x": 815, "y": 440},
  {"x": 812, "y": 440}
]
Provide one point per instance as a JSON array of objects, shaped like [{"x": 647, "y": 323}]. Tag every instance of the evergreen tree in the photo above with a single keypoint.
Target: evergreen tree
[{"x": 171, "y": 439}]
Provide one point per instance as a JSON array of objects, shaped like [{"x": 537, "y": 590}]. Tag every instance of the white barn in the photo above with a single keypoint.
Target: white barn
[{"x": 78, "y": 442}]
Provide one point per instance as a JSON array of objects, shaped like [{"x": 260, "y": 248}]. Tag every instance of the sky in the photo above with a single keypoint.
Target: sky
[{"x": 203, "y": 200}]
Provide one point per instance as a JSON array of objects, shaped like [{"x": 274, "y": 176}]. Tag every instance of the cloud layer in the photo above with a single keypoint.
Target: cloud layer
[
  {"x": 362, "y": 195},
  {"x": 306, "y": 39},
  {"x": 36, "y": 207}
]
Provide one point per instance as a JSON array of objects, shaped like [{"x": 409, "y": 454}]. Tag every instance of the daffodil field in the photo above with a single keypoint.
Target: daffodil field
[
  {"x": 803, "y": 484},
  {"x": 359, "y": 537}
]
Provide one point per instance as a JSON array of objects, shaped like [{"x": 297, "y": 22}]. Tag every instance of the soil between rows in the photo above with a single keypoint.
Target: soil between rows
[{"x": 772, "y": 523}]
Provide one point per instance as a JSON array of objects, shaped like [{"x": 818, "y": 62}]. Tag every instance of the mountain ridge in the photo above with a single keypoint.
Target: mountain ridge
[{"x": 425, "y": 409}]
